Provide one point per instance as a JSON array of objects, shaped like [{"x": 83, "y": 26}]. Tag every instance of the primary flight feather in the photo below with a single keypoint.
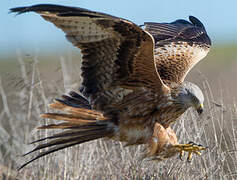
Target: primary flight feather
[{"x": 133, "y": 84}]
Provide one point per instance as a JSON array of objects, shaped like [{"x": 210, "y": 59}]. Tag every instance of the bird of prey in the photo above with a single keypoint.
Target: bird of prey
[{"x": 133, "y": 84}]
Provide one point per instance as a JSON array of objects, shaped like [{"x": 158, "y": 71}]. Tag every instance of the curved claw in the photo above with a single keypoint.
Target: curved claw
[
  {"x": 181, "y": 155},
  {"x": 191, "y": 148},
  {"x": 189, "y": 157}
]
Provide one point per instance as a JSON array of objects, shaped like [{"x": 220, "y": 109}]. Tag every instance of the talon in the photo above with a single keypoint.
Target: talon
[
  {"x": 181, "y": 155},
  {"x": 191, "y": 142},
  {"x": 198, "y": 153},
  {"x": 191, "y": 148},
  {"x": 189, "y": 157}
]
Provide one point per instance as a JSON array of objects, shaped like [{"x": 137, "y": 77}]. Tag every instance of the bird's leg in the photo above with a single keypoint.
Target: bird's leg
[
  {"x": 191, "y": 148},
  {"x": 158, "y": 140}
]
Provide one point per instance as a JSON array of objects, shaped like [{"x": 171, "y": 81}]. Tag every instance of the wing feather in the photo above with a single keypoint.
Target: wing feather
[
  {"x": 178, "y": 47},
  {"x": 117, "y": 54}
]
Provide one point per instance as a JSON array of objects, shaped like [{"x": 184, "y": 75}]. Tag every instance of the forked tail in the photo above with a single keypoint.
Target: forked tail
[{"x": 80, "y": 124}]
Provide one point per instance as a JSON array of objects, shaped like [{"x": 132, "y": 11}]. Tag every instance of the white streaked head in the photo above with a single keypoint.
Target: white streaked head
[{"x": 191, "y": 95}]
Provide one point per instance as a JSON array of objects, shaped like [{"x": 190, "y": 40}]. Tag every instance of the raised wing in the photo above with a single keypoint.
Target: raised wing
[
  {"x": 117, "y": 54},
  {"x": 178, "y": 47}
]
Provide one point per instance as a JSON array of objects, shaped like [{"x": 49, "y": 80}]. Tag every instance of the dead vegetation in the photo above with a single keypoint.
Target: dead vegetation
[{"x": 25, "y": 93}]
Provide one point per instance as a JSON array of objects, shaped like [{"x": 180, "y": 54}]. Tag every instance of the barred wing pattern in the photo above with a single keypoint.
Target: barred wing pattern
[
  {"x": 117, "y": 54},
  {"x": 178, "y": 47}
]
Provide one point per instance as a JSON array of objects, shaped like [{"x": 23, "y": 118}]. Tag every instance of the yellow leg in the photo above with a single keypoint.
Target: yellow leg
[{"x": 190, "y": 148}]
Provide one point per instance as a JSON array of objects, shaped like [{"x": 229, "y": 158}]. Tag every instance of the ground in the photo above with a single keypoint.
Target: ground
[{"x": 28, "y": 84}]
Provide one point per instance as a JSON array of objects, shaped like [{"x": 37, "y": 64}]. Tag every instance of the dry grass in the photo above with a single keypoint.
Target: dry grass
[{"x": 25, "y": 95}]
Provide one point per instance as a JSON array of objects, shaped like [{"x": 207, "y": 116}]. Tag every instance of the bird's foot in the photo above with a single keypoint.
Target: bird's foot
[{"x": 191, "y": 148}]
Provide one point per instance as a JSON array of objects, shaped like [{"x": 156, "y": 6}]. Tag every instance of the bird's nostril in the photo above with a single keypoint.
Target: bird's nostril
[{"x": 200, "y": 111}]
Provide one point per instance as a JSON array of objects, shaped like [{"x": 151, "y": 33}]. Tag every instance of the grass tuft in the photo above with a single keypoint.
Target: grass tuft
[{"x": 25, "y": 95}]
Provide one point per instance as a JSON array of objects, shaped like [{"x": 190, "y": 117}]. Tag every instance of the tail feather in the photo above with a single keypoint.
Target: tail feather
[
  {"x": 62, "y": 146},
  {"x": 73, "y": 118},
  {"x": 82, "y": 124},
  {"x": 84, "y": 113},
  {"x": 75, "y": 100},
  {"x": 59, "y": 126},
  {"x": 60, "y": 105},
  {"x": 71, "y": 126},
  {"x": 79, "y": 97},
  {"x": 67, "y": 133},
  {"x": 76, "y": 136}
]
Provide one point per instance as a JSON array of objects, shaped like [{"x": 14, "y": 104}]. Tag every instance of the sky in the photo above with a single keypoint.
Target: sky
[{"x": 29, "y": 31}]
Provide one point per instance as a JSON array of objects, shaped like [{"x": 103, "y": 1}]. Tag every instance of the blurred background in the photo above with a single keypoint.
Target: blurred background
[
  {"x": 29, "y": 31},
  {"x": 37, "y": 64},
  {"x": 29, "y": 34}
]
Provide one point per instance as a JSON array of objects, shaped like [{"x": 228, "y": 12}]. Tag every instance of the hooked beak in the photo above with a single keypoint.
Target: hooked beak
[{"x": 200, "y": 109}]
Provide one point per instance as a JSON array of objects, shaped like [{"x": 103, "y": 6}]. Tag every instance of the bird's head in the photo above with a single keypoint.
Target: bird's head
[{"x": 190, "y": 95}]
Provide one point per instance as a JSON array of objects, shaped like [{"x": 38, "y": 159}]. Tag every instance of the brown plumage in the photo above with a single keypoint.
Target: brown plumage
[{"x": 133, "y": 80}]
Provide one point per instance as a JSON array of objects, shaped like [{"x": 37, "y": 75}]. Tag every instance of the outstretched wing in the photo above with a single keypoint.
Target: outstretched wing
[
  {"x": 117, "y": 54},
  {"x": 178, "y": 47}
]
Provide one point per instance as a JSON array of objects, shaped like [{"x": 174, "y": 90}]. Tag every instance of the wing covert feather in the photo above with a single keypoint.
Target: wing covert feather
[
  {"x": 117, "y": 54},
  {"x": 178, "y": 47}
]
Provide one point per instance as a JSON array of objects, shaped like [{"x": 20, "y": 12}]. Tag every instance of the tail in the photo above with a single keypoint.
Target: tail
[{"x": 81, "y": 125}]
